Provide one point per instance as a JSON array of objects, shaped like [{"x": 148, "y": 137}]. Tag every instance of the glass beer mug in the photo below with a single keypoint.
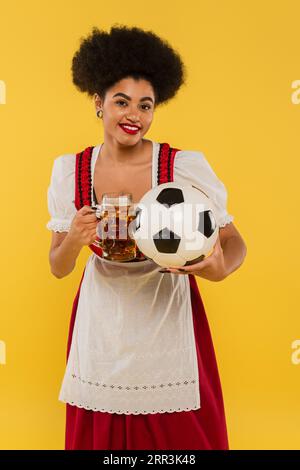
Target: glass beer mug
[{"x": 115, "y": 214}]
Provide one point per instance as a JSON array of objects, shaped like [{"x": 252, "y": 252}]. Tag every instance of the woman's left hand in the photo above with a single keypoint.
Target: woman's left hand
[{"x": 212, "y": 267}]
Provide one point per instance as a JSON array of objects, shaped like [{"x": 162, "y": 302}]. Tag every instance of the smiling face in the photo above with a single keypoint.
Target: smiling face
[{"x": 131, "y": 102}]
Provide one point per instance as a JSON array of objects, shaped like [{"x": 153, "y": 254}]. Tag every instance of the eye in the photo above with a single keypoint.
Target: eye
[{"x": 122, "y": 101}]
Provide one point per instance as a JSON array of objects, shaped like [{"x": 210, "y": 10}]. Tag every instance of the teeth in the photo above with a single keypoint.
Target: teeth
[{"x": 131, "y": 128}]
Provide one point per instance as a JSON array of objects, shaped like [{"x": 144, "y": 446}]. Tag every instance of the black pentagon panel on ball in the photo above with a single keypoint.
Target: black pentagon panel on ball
[
  {"x": 166, "y": 241},
  {"x": 137, "y": 220},
  {"x": 170, "y": 196},
  {"x": 207, "y": 223}
]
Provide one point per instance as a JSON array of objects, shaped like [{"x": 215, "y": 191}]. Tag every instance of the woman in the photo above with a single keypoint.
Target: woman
[{"x": 141, "y": 369}]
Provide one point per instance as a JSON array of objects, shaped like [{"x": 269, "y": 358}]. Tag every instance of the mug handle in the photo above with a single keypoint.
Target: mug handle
[{"x": 98, "y": 210}]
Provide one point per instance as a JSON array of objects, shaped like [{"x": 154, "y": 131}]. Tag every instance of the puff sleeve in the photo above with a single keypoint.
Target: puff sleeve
[
  {"x": 192, "y": 167},
  {"x": 61, "y": 194}
]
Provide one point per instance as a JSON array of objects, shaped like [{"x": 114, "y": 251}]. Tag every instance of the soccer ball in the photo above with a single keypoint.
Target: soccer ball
[{"x": 174, "y": 224}]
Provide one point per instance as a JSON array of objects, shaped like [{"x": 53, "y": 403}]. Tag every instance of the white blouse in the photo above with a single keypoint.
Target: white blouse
[
  {"x": 133, "y": 346},
  {"x": 190, "y": 167}
]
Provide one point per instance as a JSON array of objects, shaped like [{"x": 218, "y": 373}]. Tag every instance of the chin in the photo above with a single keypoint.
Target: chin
[{"x": 129, "y": 142}]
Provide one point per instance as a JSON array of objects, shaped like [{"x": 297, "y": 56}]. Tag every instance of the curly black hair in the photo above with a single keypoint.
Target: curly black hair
[{"x": 105, "y": 58}]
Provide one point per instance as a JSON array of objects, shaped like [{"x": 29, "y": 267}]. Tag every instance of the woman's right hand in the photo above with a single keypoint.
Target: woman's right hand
[{"x": 83, "y": 226}]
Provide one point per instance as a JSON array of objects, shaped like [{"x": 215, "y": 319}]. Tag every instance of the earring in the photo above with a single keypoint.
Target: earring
[{"x": 100, "y": 113}]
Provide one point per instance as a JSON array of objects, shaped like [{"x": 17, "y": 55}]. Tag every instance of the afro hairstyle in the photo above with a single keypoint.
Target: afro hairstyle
[{"x": 105, "y": 58}]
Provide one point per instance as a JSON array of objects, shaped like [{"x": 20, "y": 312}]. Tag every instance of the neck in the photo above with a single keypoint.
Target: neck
[{"x": 117, "y": 154}]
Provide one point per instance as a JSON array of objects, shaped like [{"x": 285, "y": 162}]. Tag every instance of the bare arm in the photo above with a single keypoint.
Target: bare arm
[
  {"x": 63, "y": 254},
  {"x": 66, "y": 246},
  {"x": 234, "y": 247}
]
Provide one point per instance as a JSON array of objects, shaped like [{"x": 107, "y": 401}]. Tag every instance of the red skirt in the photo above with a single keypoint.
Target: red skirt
[{"x": 204, "y": 428}]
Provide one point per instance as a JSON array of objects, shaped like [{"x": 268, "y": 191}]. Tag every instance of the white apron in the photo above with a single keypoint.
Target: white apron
[{"x": 133, "y": 347}]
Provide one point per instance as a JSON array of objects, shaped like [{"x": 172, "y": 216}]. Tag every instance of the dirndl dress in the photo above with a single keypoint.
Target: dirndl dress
[{"x": 196, "y": 429}]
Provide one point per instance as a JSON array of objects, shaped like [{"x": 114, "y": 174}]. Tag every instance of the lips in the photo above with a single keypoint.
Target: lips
[{"x": 129, "y": 131}]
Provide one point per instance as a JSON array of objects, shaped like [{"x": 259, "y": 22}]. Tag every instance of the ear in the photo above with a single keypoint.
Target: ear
[{"x": 97, "y": 101}]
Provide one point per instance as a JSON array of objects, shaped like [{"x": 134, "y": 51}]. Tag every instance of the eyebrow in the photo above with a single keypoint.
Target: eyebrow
[{"x": 128, "y": 97}]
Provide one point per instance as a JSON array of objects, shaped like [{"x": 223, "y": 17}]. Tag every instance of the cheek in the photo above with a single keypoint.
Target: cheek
[
  {"x": 113, "y": 116},
  {"x": 112, "y": 110},
  {"x": 148, "y": 119}
]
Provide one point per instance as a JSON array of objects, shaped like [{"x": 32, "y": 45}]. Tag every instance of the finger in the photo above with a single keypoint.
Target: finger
[
  {"x": 86, "y": 228},
  {"x": 192, "y": 267},
  {"x": 91, "y": 226},
  {"x": 88, "y": 218},
  {"x": 175, "y": 271},
  {"x": 184, "y": 272},
  {"x": 179, "y": 270},
  {"x": 87, "y": 210}
]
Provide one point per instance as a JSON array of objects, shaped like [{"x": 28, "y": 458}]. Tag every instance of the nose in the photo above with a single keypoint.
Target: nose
[
  {"x": 132, "y": 115},
  {"x": 132, "y": 118},
  {"x": 133, "y": 121}
]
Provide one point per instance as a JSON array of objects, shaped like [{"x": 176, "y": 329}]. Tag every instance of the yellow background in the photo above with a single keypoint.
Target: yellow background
[{"x": 237, "y": 108}]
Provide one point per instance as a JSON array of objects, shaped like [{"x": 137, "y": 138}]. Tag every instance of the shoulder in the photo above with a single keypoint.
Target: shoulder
[
  {"x": 189, "y": 154},
  {"x": 192, "y": 167},
  {"x": 63, "y": 166},
  {"x": 194, "y": 163},
  {"x": 192, "y": 160},
  {"x": 186, "y": 156}
]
